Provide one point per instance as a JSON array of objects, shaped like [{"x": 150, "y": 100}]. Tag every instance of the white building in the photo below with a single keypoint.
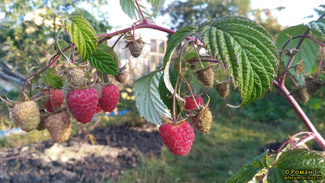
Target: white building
[{"x": 152, "y": 53}]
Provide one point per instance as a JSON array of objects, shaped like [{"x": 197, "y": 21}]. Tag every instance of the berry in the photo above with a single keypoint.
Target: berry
[
  {"x": 57, "y": 99},
  {"x": 190, "y": 104},
  {"x": 98, "y": 87},
  {"x": 313, "y": 85},
  {"x": 82, "y": 104},
  {"x": 223, "y": 89},
  {"x": 206, "y": 76},
  {"x": 76, "y": 77},
  {"x": 202, "y": 122},
  {"x": 135, "y": 47},
  {"x": 300, "y": 94},
  {"x": 177, "y": 137},
  {"x": 59, "y": 126},
  {"x": 109, "y": 99},
  {"x": 98, "y": 109},
  {"x": 26, "y": 115}
]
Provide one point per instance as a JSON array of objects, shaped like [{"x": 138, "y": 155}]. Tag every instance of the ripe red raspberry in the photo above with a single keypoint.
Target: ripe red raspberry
[
  {"x": 190, "y": 104},
  {"x": 177, "y": 137},
  {"x": 110, "y": 97},
  {"x": 98, "y": 109},
  {"x": 59, "y": 126},
  {"x": 82, "y": 104},
  {"x": 57, "y": 99}
]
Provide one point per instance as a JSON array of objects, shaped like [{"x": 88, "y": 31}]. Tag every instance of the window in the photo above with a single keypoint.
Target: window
[{"x": 153, "y": 46}]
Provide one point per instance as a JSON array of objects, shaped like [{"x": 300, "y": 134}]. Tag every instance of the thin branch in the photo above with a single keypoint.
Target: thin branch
[
  {"x": 282, "y": 79},
  {"x": 189, "y": 88},
  {"x": 141, "y": 26},
  {"x": 300, "y": 113},
  {"x": 174, "y": 100}
]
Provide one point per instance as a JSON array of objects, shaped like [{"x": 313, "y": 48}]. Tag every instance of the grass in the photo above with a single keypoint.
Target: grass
[{"x": 235, "y": 138}]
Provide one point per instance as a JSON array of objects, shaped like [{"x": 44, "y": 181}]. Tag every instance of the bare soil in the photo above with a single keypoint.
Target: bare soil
[{"x": 116, "y": 149}]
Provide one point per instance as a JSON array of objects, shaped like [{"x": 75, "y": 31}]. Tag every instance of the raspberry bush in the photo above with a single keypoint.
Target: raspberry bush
[{"x": 237, "y": 51}]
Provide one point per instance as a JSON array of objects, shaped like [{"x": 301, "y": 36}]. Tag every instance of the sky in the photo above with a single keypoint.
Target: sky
[
  {"x": 294, "y": 13},
  {"x": 295, "y": 10}
]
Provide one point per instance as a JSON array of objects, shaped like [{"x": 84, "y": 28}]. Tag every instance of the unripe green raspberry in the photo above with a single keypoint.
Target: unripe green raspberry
[
  {"x": 26, "y": 115},
  {"x": 202, "y": 122},
  {"x": 76, "y": 77}
]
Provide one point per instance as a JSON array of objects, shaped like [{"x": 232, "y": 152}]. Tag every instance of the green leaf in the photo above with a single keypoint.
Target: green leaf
[
  {"x": 82, "y": 34},
  {"x": 130, "y": 8},
  {"x": 297, "y": 160},
  {"x": 189, "y": 56},
  {"x": 106, "y": 48},
  {"x": 176, "y": 39},
  {"x": 307, "y": 51},
  {"x": 318, "y": 25},
  {"x": 103, "y": 62},
  {"x": 157, "y": 5},
  {"x": 51, "y": 78},
  {"x": 165, "y": 93},
  {"x": 148, "y": 100},
  {"x": 247, "y": 50},
  {"x": 250, "y": 169}
]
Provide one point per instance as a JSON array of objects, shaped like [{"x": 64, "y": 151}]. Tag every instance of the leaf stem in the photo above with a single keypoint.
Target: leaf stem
[
  {"x": 174, "y": 99},
  {"x": 55, "y": 58},
  {"x": 189, "y": 88},
  {"x": 197, "y": 53},
  {"x": 143, "y": 17}
]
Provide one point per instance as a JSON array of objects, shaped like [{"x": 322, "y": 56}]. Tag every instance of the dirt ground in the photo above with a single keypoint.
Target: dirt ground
[{"x": 116, "y": 149}]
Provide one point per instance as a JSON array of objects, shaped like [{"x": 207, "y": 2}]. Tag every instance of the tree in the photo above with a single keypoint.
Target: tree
[
  {"x": 193, "y": 12},
  {"x": 28, "y": 28}
]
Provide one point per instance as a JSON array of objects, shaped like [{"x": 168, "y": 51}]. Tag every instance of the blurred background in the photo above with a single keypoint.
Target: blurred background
[{"x": 237, "y": 135}]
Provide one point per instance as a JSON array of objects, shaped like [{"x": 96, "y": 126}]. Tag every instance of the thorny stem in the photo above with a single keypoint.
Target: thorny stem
[
  {"x": 293, "y": 103},
  {"x": 282, "y": 79},
  {"x": 141, "y": 26}
]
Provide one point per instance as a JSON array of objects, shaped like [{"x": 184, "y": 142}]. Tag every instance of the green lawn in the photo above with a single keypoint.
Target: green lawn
[{"x": 235, "y": 138}]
